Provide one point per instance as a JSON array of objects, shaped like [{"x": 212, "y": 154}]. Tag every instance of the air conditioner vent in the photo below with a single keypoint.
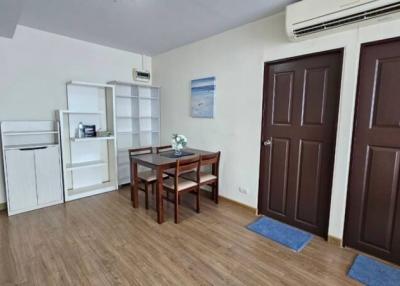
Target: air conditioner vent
[{"x": 350, "y": 19}]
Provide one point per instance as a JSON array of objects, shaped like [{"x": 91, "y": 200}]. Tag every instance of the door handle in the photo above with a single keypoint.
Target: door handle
[
  {"x": 267, "y": 142},
  {"x": 33, "y": 148}
]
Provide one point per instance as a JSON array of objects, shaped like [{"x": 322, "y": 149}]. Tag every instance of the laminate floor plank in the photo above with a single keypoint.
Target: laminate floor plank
[{"x": 102, "y": 240}]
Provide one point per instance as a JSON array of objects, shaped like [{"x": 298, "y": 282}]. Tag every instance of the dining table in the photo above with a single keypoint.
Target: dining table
[{"x": 158, "y": 162}]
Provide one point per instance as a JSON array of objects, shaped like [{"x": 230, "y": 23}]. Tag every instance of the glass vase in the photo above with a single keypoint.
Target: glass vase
[{"x": 178, "y": 152}]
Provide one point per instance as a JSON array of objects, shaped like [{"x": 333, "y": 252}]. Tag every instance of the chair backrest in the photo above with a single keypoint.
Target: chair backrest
[
  {"x": 184, "y": 165},
  {"x": 211, "y": 160},
  {"x": 140, "y": 151},
  {"x": 164, "y": 148}
]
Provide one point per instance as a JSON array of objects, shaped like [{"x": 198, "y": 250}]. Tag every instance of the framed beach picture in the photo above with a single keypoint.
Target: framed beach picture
[{"x": 203, "y": 97}]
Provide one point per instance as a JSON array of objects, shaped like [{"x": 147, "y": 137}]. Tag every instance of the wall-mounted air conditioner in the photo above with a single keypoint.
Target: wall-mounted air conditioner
[{"x": 309, "y": 18}]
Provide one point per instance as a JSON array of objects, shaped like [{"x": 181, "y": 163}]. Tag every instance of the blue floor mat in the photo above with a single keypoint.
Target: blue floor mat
[
  {"x": 284, "y": 234},
  {"x": 374, "y": 273}
]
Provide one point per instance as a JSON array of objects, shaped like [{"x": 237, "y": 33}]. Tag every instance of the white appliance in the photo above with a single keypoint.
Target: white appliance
[
  {"x": 32, "y": 165},
  {"x": 309, "y": 18}
]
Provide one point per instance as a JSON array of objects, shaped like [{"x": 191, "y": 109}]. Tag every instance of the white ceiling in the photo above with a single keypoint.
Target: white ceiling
[
  {"x": 144, "y": 26},
  {"x": 10, "y": 11}
]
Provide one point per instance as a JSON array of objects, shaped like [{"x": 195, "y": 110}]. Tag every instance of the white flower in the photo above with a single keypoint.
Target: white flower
[{"x": 178, "y": 141}]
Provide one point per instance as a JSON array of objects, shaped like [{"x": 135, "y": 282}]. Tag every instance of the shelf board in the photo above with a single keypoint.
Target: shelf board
[
  {"x": 136, "y": 97},
  {"x": 128, "y": 117},
  {"x": 22, "y": 133},
  {"x": 137, "y": 117},
  {"x": 127, "y": 132},
  {"x": 149, "y": 131},
  {"x": 92, "y": 138},
  {"x": 90, "y": 190},
  {"x": 90, "y": 84},
  {"x": 127, "y": 96},
  {"x": 148, "y": 98},
  {"x": 135, "y": 84},
  {"x": 83, "y": 165},
  {"x": 84, "y": 112},
  {"x": 20, "y": 146}
]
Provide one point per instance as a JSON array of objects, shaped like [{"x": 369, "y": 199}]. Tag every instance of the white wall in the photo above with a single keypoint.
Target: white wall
[
  {"x": 236, "y": 58},
  {"x": 35, "y": 65}
]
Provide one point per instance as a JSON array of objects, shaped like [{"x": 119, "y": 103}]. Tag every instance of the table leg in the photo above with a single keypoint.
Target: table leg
[
  {"x": 160, "y": 190},
  {"x": 134, "y": 184}
]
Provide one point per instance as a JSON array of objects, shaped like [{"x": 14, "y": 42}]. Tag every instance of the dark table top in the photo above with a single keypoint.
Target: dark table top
[{"x": 156, "y": 160}]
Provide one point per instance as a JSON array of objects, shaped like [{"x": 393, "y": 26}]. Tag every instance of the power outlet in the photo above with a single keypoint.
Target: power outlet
[{"x": 243, "y": 191}]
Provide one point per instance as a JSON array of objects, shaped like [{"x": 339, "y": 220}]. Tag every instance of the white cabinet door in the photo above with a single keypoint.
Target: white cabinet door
[
  {"x": 21, "y": 180},
  {"x": 48, "y": 175}
]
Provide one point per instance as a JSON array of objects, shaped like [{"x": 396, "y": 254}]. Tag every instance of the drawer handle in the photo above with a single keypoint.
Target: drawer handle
[{"x": 33, "y": 148}]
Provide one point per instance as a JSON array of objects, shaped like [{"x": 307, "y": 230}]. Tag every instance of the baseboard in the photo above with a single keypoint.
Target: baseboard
[
  {"x": 238, "y": 203},
  {"x": 123, "y": 185},
  {"x": 3, "y": 206},
  {"x": 335, "y": 241}
]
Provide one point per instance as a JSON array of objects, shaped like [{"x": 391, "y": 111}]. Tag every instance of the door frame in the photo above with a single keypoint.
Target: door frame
[
  {"x": 262, "y": 170},
  {"x": 356, "y": 108}
]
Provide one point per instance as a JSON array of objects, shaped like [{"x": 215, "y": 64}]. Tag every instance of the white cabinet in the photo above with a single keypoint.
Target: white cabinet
[
  {"x": 33, "y": 177},
  {"x": 20, "y": 170},
  {"x": 32, "y": 165},
  {"x": 48, "y": 175}
]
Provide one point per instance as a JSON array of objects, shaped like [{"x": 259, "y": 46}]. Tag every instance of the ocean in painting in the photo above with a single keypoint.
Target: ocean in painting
[{"x": 203, "y": 93}]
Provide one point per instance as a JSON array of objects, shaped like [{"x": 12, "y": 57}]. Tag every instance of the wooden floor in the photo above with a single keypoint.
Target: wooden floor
[{"x": 102, "y": 240}]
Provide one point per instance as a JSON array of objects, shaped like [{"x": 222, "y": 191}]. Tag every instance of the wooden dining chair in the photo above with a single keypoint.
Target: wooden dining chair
[
  {"x": 210, "y": 179},
  {"x": 148, "y": 177},
  {"x": 164, "y": 148},
  {"x": 170, "y": 172},
  {"x": 179, "y": 185},
  {"x": 160, "y": 149}
]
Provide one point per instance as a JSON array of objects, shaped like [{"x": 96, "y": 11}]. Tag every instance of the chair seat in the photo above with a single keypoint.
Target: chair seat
[
  {"x": 183, "y": 184},
  {"x": 149, "y": 176},
  {"x": 204, "y": 177}
]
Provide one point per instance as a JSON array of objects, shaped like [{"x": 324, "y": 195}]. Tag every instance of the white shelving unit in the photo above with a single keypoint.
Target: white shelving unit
[
  {"x": 32, "y": 164},
  {"x": 89, "y": 164},
  {"x": 100, "y": 138},
  {"x": 138, "y": 121}
]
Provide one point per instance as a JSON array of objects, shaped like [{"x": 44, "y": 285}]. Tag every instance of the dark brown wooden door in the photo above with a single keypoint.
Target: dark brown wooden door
[
  {"x": 373, "y": 206},
  {"x": 300, "y": 109}
]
